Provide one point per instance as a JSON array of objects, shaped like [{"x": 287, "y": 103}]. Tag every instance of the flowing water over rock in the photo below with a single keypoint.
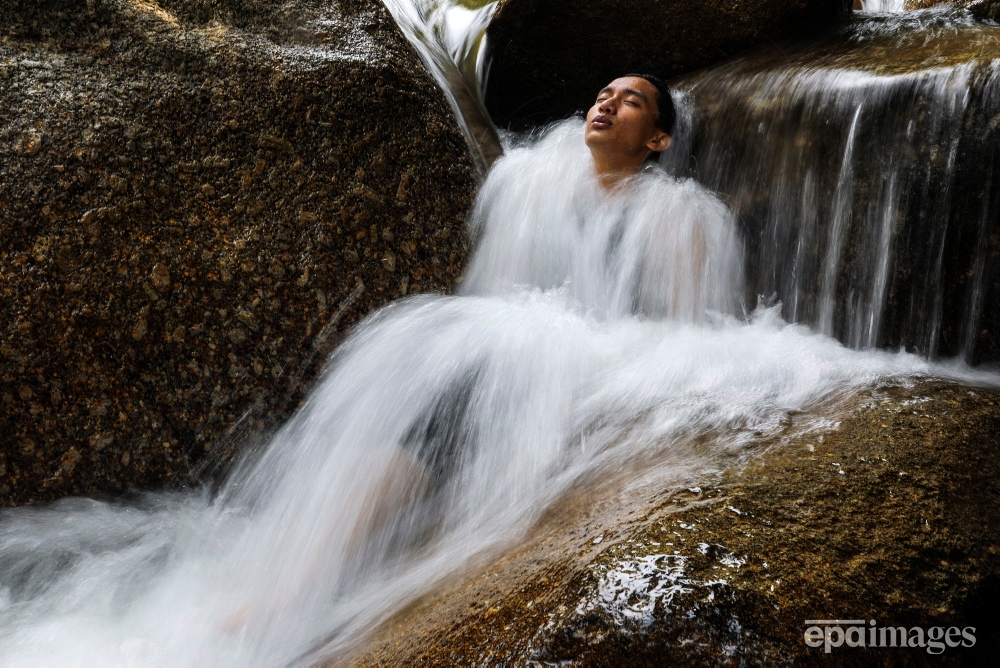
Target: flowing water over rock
[
  {"x": 862, "y": 172},
  {"x": 448, "y": 36},
  {"x": 469, "y": 413},
  {"x": 888, "y": 510},
  {"x": 591, "y": 330},
  {"x": 883, "y": 5}
]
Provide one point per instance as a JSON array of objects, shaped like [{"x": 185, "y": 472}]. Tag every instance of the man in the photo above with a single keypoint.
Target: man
[{"x": 632, "y": 117}]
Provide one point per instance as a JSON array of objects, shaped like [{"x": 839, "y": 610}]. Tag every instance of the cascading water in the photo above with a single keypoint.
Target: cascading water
[
  {"x": 448, "y": 37},
  {"x": 614, "y": 255},
  {"x": 883, "y": 5},
  {"x": 494, "y": 401},
  {"x": 861, "y": 173},
  {"x": 592, "y": 328}
]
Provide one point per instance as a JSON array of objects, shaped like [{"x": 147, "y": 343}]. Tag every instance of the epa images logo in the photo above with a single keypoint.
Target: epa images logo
[{"x": 830, "y": 633}]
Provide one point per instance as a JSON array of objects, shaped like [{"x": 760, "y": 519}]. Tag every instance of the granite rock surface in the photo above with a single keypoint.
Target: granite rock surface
[
  {"x": 885, "y": 509},
  {"x": 197, "y": 200},
  {"x": 981, "y": 9}
]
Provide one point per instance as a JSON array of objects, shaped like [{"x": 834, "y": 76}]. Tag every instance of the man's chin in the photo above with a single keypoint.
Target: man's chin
[{"x": 595, "y": 138}]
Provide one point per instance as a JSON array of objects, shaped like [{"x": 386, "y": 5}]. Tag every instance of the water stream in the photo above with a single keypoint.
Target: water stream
[
  {"x": 884, "y": 6},
  {"x": 448, "y": 36},
  {"x": 590, "y": 329},
  {"x": 861, "y": 171}
]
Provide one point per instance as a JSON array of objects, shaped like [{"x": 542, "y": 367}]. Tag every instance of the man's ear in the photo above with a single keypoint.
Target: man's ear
[{"x": 661, "y": 141}]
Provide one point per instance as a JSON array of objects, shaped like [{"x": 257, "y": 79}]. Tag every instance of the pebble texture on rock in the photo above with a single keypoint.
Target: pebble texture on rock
[
  {"x": 893, "y": 515},
  {"x": 549, "y": 58},
  {"x": 197, "y": 199}
]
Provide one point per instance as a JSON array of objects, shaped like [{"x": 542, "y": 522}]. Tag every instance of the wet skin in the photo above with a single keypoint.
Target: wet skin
[{"x": 621, "y": 129}]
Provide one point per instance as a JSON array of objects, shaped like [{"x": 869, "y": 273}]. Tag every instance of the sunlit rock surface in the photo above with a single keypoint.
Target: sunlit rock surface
[
  {"x": 884, "y": 508},
  {"x": 197, "y": 199},
  {"x": 549, "y": 58}
]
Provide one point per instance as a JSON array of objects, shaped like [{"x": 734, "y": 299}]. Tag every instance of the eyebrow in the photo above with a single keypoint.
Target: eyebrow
[
  {"x": 628, "y": 91},
  {"x": 632, "y": 91}
]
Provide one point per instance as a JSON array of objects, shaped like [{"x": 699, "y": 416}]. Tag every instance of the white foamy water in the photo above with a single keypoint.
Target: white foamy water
[
  {"x": 662, "y": 248},
  {"x": 883, "y": 6},
  {"x": 591, "y": 329}
]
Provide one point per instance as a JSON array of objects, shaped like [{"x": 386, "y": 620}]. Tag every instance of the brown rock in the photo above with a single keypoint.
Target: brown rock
[
  {"x": 985, "y": 9},
  {"x": 160, "y": 277},
  {"x": 892, "y": 516},
  {"x": 142, "y": 325},
  {"x": 389, "y": 262},
  {"x": 133, "y": 243},
  {"x": 981, "y": 9}
]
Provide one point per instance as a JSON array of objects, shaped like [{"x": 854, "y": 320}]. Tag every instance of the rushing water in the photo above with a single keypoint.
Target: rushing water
[
  {"x": 448, "y": 37},
  {"x": 582, "y": 339},
  {"x": 861, "y": 172},
  {"x": 591, "y": 329},
  {"x": 886, "y": 6}
]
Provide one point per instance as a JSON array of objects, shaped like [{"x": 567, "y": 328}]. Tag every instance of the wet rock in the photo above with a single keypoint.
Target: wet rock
[
  {"x": 981, "y": 9},
  {"x": 891, "y": 516},
  {"x": 549, "y": 58},
  {"x": 985, "y": 9},
  {"x": 178, "y": 182},
  {"x": 914, "y": 261}
]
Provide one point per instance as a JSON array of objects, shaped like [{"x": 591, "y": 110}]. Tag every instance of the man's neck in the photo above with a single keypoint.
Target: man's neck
[{"x": 612, "y": 170}]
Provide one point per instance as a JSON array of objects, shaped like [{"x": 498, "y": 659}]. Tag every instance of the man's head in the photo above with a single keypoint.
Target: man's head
[
  {"x": 633, "y": 116},
  {"x": 667, "y": 118}
]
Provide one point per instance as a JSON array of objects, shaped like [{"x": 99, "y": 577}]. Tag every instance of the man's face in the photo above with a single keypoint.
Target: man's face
[{"x": 623, "y": 119}]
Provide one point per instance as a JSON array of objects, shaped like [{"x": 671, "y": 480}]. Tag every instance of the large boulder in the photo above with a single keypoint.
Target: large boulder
[
  {"x": 892, "y": 516},
  {"x": 549, "y": 58},
  {"x": 197, "y": 199},
  {"x": 984, "y": 9},
  {"x": 981, "y": 9}
]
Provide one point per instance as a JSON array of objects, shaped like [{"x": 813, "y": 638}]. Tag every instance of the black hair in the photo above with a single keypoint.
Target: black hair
[{"x": 668, "y": 115}]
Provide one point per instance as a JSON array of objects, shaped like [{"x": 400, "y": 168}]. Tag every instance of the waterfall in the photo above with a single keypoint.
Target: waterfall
[
  {"x": 613, "y": 255},
  {"x": 448, "y": 37},
  {"x": 592, "y": 329},
  {"x": 864, "y": 187},
  {"x": 883, "y": 5},
  {"x": 582, "y": 340}
]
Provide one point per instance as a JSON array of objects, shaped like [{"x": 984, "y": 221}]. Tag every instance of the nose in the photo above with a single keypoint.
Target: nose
[{"x": 608, "y": 105}]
